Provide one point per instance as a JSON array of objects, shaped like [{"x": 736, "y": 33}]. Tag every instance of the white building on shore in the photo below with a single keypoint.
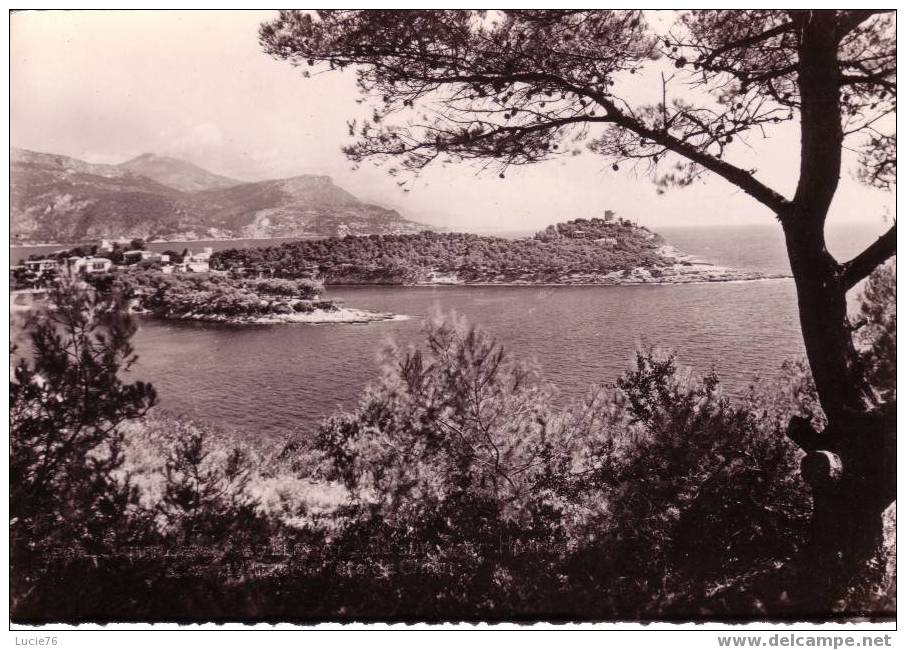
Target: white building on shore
[
  {"x": 196, "y": 262},
  {"x": 89, "y": 265}
]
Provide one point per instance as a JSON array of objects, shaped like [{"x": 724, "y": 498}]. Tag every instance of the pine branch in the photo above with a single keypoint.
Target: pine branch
[{"x": 864, "y": 263}]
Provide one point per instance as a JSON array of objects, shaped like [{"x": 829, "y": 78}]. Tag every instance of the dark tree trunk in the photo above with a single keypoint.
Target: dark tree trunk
[
  {"x": 849, "y": 465},
  {"x": 826, "y": 330}
]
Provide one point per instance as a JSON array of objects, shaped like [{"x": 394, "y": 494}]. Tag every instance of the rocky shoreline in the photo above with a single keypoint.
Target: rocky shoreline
[
  {"x": 684, "y": 269},
  {"x": 342, "y": 315},
  {"x": 584, "y": 282},
  {"x": 638, "y": 276},
  {"x": 675, "y": 267}
]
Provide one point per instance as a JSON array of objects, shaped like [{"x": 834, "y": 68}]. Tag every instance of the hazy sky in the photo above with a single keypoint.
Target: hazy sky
[{"x": 107, "y": 86}]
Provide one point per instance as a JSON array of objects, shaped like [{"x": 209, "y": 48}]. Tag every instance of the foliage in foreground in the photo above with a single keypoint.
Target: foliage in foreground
[
  {"x": 66, "y": 444},
  {"x": 877, "y": 334},
  {"x": 662, "y": 499},
  {"x": 456, "y": 490}
]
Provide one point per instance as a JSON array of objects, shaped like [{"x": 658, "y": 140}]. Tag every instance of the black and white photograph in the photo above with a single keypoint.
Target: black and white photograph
[{"x": 454, "y": 319}]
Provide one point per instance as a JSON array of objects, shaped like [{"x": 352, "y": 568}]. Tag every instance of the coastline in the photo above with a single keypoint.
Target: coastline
[
  {"x": 23, "y": 300},
  {"x": 172, "y": 241},
  {"x": 343, "y": 315},
  {"x": 676, "y": 267},
  {"x": 739, "y": 277},
  {"x": 654, "y": 283},
  {"x": 684, "y": 272},
  {"x": 529, "y": 283}
]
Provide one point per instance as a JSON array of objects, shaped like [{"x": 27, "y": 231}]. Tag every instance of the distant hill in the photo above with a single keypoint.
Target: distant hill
[
  {"x": 176, "y": 173},
  {"x": 277, "y": 208},
  {"x": 61, "y": 199},
  {"x": 64, "y": 200}
]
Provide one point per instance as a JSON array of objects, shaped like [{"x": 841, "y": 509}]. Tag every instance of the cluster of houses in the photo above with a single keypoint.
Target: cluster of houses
[
  {"x": 98, "y": 264},
  {"x": 190, "y": 263}
]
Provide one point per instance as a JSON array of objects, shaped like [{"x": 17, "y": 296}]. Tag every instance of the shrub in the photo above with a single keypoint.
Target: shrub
[
  {"x": 205, "y": 496},
  {"x": 326, "y": 305},
  {"x": 456, "y": 490},
  {"x": 454, "y": 462},
  {"x": 705, "y": 503},
  {"x": 67, "y": 405},
  {"x": 456, "y": 418},
  {"x": 877, "y": 335},
  {"x": 302, "y": 288},
  {"x": 659, "y": 499}
]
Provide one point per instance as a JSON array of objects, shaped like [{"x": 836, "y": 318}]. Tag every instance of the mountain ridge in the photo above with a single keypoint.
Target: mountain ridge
[
  {"x": 177, "y": 173},
  {"x": 60, "y": 199}
]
